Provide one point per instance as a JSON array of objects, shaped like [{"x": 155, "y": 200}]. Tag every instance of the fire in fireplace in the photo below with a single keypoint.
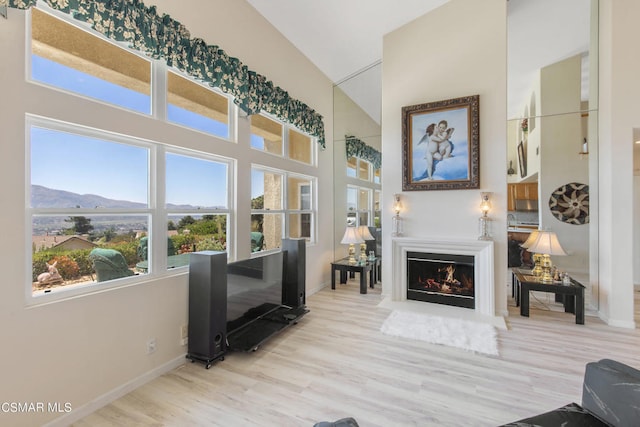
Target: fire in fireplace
[{"x": 441, "y": 278}]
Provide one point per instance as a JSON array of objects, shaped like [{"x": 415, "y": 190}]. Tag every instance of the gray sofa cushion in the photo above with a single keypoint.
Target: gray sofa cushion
[
  {"x": 610, "y": 398},
  {"x": 571, "y": 415},
  {"x": 611, "y": 392}
]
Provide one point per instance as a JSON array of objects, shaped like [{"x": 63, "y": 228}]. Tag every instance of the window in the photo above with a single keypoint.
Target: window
[
  {"x": 273, "y": 215},
  {"x": 198, "y": 210},
  {"x": 358, "y": 206},
  {"x": 72, "y": 59},
  {"x": 195, "y": 106},
  {"x": 377, "y": 215},
  {"x": 376, "y": 176},
  {"x": 266, "y": 134},
  {"x": 95, "y": 224},
  {"x": 361, "y": 169},
  {"x": 86, "y": 222},
  {"x": 352, "y": 167},
  {"x": 300, "y": 147},
  {"x": 300, "y": 206}
]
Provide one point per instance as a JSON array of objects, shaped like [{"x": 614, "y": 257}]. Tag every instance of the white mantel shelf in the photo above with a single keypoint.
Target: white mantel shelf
[{"x": 484, "y": 282}]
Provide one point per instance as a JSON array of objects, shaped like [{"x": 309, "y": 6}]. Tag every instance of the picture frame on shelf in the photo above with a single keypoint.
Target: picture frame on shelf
[{"x": 441, "y": 145}]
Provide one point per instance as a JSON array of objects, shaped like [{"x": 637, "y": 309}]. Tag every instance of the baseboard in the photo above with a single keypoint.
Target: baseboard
[{"x": 92, "y": 406}]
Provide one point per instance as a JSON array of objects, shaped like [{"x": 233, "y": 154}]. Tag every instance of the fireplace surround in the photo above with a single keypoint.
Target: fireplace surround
[{"x": 484, "y": 283}]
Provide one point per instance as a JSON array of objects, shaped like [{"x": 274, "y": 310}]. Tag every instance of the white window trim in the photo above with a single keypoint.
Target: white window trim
[
  {"x": 155, "y": 211},
  {"x": 285, "y": 142},
  {"x": 87, "y": 29},
  {"x": 232, "y": 109},
  {"x": 285, "y": 210}
]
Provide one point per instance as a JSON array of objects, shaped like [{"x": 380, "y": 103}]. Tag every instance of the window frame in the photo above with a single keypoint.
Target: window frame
[
  {"x": 286, "y": 127},
  {"x": 369, "y": 210},
  {"x": 156, "y": 211},
  {"x": 42, "y": 7},
  {"x": 232, "y": 109},
  {"x": 287, "y": 210},
  {"x": 150, "y": 211},
  {"x": 355, "y": 174}
]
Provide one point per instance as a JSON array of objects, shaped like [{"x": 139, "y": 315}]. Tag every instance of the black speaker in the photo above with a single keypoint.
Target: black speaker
[
  {"x": 294, "y": 278},
  {"x": 207, "y": 306}
]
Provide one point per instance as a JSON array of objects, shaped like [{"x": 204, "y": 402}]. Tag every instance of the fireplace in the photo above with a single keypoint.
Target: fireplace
[
  {"x": 481, "y": 251},
  {"x": 441, "y": 278}
]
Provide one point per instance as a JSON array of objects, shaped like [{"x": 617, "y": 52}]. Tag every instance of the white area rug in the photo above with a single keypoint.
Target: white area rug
[{"x": 464, "y": 334}]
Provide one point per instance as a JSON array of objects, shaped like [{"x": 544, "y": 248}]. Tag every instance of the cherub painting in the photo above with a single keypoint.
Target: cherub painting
[{"x": 438, "y": 145}]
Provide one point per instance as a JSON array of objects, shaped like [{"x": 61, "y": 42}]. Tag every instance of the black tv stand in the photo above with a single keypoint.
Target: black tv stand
[{"x": 250, "y": 336}]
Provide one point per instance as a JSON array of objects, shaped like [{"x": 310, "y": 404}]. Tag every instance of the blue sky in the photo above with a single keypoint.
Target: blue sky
[{"x": 85, "y": 165}]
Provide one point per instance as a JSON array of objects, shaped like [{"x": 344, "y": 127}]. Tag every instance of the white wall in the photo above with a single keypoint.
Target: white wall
[
  {"x": 456, "y": 50},
  {"x": 87, "y": 349},
  {"x": 619, "y": 114}
]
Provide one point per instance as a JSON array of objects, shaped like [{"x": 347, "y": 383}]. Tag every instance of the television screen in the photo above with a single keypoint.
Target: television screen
[{"x": 254, "y": 288}]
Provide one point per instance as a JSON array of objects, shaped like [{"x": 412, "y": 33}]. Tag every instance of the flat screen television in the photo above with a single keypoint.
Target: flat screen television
[{"x": 254, "y": 288}]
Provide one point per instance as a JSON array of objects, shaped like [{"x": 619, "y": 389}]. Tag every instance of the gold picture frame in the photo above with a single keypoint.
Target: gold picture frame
[{"x": 441, "y": 145}]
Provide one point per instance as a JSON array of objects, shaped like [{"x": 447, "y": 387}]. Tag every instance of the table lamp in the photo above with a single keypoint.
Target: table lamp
[
  {"x": 546, "y": 244},
  {"x": 351, "y": 237},
  {"x": 537, "y": 258},
  {"x": 363, "y": 230}
]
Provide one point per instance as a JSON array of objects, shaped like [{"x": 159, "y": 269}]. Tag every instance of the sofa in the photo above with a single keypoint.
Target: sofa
[{"x": 610, "y": 397}]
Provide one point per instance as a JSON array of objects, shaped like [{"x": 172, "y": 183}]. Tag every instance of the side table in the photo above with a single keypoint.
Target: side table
[
  {"x": 344, "y": 267},
  {"x": 572, "y": 295}
]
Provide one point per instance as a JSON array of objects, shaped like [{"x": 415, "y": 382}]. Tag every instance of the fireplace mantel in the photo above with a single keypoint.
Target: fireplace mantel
[{"x": 481, "y": 250}]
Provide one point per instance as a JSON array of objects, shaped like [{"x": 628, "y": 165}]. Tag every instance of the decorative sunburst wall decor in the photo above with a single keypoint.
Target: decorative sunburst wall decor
[{"x": 570, "y": 203}]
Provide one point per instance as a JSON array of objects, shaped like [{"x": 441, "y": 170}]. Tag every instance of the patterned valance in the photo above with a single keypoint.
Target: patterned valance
[
  {"x": 160, "y": 36},
  {"x": 357, "y": 148}
]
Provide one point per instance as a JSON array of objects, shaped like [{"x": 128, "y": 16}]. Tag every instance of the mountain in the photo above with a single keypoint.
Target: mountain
[{"x": 43, "y": 197}]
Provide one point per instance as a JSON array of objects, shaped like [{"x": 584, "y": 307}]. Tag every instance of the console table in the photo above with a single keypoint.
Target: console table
[
  {"x": 572, "y": 295},
  {"x": 343, "y": 266}
]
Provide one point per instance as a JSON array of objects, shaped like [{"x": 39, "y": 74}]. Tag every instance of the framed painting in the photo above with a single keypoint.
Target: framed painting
[
  {"x": 522, "y": 159},
  {"x": 441, "y": 145}
]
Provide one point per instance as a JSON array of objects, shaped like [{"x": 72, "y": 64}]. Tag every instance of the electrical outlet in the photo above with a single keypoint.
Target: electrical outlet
[
  {"x": 184, "y": 335},
  {"x": 151, "y": 346}
]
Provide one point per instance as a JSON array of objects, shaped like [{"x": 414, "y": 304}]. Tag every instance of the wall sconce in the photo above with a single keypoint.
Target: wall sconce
[
  {"x": 484, "y": 221},
  {"x": 396, "y": 229},
  {"x": 351, "y": 237},
  {"x": 364, "y": 233}
]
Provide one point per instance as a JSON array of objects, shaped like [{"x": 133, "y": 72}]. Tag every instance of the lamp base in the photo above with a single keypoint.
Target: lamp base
[
  {"x": 352, "y": 254},
  {"x": 547, "y": 277}
]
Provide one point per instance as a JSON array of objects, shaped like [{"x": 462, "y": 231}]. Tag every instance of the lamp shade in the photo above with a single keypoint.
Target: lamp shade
[
  {"x": 351, "y": 236},
  {"x": 546, "y": 243},
  {"x": 363, "y": 230},
  {"x": 532, "y": 238}
]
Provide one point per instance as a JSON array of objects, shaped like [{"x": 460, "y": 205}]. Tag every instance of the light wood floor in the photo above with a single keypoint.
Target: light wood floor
[{"x": 335, "y": 363}]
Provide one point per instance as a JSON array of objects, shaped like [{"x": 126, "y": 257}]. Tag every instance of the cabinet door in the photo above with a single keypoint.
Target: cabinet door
[
  {"x": 532, "y": 191},
  {"x": 521, "y": 192},
  {"x": 511, "y": 197}
]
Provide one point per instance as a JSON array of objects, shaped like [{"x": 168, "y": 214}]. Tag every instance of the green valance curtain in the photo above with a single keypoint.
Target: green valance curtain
[
  {"x": 357, "y": 148},
  {"x": 162, "y": 37}
]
